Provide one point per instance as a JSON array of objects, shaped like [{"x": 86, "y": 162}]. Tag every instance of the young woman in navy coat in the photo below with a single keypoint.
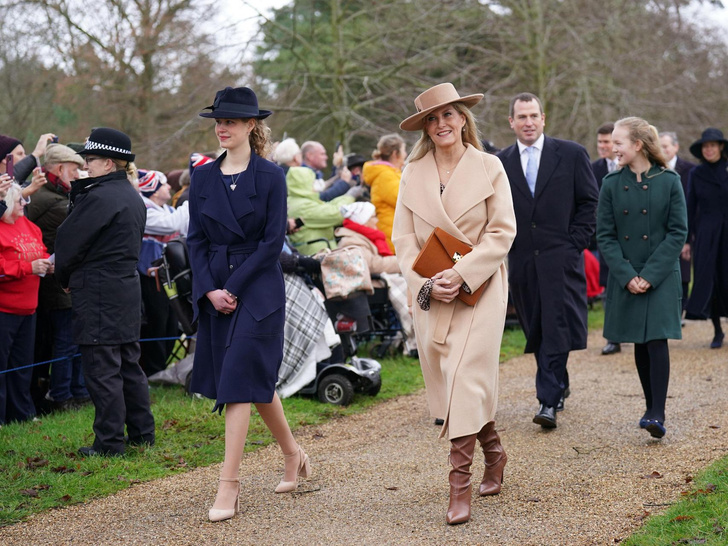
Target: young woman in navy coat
[{"x": 237, "y": 226}]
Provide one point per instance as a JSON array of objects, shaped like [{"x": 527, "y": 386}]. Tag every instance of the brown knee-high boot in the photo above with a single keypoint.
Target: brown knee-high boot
[
  {"x": 461, "y": 457},
  {"x": 495, "y": 460}
]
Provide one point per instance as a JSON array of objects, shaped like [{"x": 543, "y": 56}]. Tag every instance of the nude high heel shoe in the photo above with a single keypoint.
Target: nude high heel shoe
[
  {"x": 217, "y": 514},
  {"x": 304, "y": 470}
]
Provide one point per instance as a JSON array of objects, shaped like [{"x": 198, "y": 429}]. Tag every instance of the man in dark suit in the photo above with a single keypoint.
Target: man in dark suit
[
  {"x": 606, "y": 163},
  {"x": 670, "y": 148},
  {"x": 555, "y": 200}
]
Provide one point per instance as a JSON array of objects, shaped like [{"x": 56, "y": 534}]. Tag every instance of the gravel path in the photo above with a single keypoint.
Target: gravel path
[{"x": 381, "y": 477}]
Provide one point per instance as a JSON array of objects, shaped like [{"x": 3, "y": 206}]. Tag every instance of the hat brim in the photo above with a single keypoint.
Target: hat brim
[
  {"x": 108, "y": 153},
  {"x": 231, "y": 114},
  {"x": 696, "y": 148},
  {"x": 417, "y": 121}
]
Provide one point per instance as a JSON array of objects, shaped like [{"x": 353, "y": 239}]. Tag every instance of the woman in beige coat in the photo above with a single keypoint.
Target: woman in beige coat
[{"x": 451, "y": 183}]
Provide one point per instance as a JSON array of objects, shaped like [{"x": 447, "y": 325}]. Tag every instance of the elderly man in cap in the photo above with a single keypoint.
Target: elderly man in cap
[
  {"x": 48, "y": 209},
  {"x": 97, "y": 249}
]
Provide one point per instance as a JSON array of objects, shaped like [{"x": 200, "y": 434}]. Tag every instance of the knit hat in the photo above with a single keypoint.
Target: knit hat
[
  {"x": 7, "y": 145},
  {"x": 150, "y": 182},
  {"x": 359, "y": 212},
  {"x": 58, "y": 153},
  {"x": 106, "y": 142},
  {"x": 197, "y": 159}
]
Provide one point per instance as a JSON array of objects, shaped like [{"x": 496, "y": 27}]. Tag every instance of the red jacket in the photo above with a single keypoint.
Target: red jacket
[{"x": 20, "y": 244}]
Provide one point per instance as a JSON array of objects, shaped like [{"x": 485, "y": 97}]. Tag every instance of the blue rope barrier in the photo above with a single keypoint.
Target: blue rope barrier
[{"x": 79, "y": 354}]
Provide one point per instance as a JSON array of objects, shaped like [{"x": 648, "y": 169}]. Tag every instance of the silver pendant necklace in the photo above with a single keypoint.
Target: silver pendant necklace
[{"x": 234, "y": 181}]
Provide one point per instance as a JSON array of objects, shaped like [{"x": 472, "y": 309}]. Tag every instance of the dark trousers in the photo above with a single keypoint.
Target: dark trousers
[
  {"x": 160, "y": 321},
  {"x": 552, "y": 378},
  {"x": 653, "y": 367},
  {"x": 66, "y": 375},
  {"x": 120, "y": 393},
  {"x": 17, "y": 339}
]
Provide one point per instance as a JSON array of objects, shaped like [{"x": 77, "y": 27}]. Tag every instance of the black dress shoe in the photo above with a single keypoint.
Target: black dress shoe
[
  {"x": 139, "y": 441},
  {"x": 439, "y": 422},
  {"x": 546, "y": 416},
  {"x": 717, "y": 342},
  {"x": 611, "y": 348},
  {"x": 560, "y": 405},
  {"x": 89, "y": 451}
]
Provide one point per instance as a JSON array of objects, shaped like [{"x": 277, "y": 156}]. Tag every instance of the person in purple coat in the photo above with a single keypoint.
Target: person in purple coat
[{"x": 237, "y": 227}]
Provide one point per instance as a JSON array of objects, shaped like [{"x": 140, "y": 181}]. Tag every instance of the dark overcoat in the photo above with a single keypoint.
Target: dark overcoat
[
  {"x": 708, "y": 236},
  {"x": 546, "y": 261},
  {"x": 235, "y": 239},
  {"x": 683, "y": 168},
  {"x": 641, "y": 229},
  {"x": 47, "y": 210},
  {"x": 97, "y": 248},
  {"x": 600, "y": 168}
]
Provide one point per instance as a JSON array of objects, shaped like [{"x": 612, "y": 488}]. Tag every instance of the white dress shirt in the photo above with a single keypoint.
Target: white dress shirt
[{"x": 537, "y": 148}]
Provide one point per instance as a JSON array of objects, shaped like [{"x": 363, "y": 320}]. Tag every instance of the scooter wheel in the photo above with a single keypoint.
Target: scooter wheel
[{"x": 336, "y": 389}]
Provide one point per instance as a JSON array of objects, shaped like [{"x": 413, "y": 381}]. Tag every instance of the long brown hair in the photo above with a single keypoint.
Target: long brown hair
[
  {"x": 260, "y": 138},
  {"x": 470, "y": 135},
  {"x": 641, "y": 131}
]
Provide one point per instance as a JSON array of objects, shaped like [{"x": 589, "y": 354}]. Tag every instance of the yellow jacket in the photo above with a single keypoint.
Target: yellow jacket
[{"x": 383, "y": 178}]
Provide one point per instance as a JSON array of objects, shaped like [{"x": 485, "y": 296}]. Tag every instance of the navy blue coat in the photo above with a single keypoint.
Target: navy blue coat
[
  {"x": 708, "y": 238},
  {"x": 234, "y": 241},
  {"x": 546, "y": 262}
]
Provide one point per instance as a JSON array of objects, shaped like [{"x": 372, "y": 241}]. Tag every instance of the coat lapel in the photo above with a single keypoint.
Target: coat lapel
[
  {"x": 550, "y": 158},
  {"x": 468, "y": 186},
  {"x": 216, "y": 203},
  {"x": 512, "y": 165}
]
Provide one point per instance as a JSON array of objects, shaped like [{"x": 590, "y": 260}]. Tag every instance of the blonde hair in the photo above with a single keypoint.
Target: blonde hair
[
  {"x": 387, "y": 146},
  {"x": 260, "y": 138},
  {"x": 11, "y": 199},
  {"x": 470, "y": 135},
  {"x": 641, "y": 131}
]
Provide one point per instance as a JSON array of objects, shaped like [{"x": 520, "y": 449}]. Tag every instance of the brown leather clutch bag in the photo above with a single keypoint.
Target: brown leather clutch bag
[{"x": 440, "y": 252}]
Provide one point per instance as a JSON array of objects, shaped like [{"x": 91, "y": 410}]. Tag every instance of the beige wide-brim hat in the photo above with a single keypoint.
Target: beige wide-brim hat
[{"x": 434, "y": 98}]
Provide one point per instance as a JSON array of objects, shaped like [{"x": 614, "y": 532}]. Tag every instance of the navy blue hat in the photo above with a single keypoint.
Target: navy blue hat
[
  {"x": 709, "y": 135},
  {"x": 106, "y": 142},
  {"x": 235, "y": 103}
]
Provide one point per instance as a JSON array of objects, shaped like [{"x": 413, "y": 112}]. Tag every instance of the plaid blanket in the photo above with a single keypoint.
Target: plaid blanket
[
  {"x": 305, "y": 320},
  {"x": 397, "y": 294}
]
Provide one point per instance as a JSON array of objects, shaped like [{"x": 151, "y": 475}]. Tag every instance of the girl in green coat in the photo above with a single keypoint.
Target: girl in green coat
[{"x": 641, "y": 229}]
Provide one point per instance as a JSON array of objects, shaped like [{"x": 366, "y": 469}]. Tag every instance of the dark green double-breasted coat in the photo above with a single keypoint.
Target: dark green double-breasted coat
[{"x": 641, "y": 229}]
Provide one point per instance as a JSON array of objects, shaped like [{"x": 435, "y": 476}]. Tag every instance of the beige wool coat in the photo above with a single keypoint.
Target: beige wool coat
[{"x": 459, "y": 345}]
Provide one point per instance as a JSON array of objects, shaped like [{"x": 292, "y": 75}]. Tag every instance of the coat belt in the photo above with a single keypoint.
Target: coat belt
[
  {"x": 442, "y": 321},
  {"x": 221, "y": 253}
]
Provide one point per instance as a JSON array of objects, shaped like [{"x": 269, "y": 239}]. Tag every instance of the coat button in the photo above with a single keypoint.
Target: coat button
[
  {"x": 645, "y": 186},
  {"x": 644, "y": 237},
  {"x": 231, "y": 266},
  {"x": 626, "y": 188},
  {"x": 626, "y": 237},
  {"x": 535, "y": 252},
  {"x": 533, "y": 225},
  {"x": 644, "y": 211},
  {"x": 626, "y": 211}
]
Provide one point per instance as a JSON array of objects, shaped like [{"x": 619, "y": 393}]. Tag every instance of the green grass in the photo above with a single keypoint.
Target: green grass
[{"x": 701, "y": 517}]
